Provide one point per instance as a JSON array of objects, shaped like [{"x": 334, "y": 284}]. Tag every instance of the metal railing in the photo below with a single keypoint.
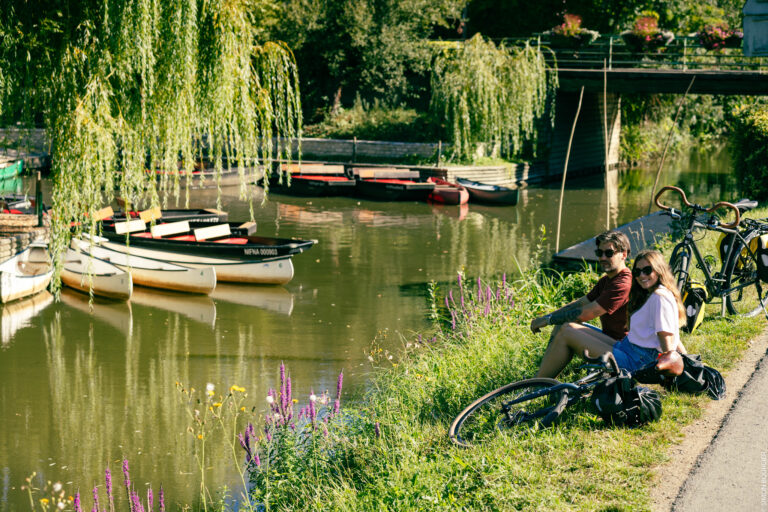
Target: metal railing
[{"x": 683, "y": 53}]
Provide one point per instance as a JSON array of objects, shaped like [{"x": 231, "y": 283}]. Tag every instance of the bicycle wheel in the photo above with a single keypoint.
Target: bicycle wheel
[
  {"x": 680, "y": 263},
  {"x": 741, "y": 292},
  {"x": 491, "y": 412}
]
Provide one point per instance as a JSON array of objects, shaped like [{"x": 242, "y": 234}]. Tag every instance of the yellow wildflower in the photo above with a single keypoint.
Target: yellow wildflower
[
  {"x": 44, "y": 501},
  {"x": 217, "y": 404},
  {"x": 199, "y": 436}
]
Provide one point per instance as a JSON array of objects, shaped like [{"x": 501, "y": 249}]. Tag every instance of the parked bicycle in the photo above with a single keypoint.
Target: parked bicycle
[
  {"x": 527, "y": 403},
  {"x": 736, "y": 282}
]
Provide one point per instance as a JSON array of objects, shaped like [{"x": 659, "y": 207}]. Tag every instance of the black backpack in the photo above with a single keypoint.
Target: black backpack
[
  {"x": 697, "y": 378},
  {"x": 619, "y": 402}
]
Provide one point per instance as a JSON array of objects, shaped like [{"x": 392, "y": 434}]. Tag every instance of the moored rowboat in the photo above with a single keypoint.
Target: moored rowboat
[
  {"x": 26, "y": 273},
  {"x": 446, "y": 192},
  {"x": 490, "y": 194},
  {"x": 151, "y": 272}
]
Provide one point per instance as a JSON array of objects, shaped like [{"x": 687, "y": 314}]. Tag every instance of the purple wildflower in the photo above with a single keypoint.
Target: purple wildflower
[
  {"x": 339, "y": 383},
  {"x": 78, "y": 508},
  {"x": 136, "y": 502},
  {"x": 461, "y": 300},
  {"x": 150, "y": 499},
  {"x": 377, "y": 430},
  {"x": 127, "y": 475},
  {"x": 453, "y": 321},
  {"x": 256, "y": 459},
  {"x": 504, "y": 280},
  {"x": 95, "y": 500},
  {"x": 447, "y": 304},
  {"x": 162, "y": 499},
  {"x": 450, "y": 295},
  {"x": 336, "y": 406},
  {"x": 458, "y": 279},
  {"x": 487, "y": 309},
  {"x": 283, "y": 394},
  {"x": 110, "y": 497}
]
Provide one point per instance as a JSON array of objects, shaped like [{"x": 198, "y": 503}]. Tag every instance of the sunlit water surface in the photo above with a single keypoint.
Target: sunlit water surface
[{"x": 81, "y": 390}]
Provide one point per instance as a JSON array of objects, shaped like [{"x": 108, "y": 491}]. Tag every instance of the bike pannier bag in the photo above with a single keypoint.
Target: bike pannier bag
[
  {"x": 698, "y": 378},
  {"x": 619, "y": 402},
  {"x": 762, "y": 258},
  {"x": 694, "y": 298}
]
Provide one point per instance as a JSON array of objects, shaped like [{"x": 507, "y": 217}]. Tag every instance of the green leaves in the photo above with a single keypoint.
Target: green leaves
[{"x": 488, "y": 94}]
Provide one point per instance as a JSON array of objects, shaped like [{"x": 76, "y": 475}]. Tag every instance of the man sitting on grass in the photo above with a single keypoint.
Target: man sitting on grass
[{"x": 607, "y": 300}]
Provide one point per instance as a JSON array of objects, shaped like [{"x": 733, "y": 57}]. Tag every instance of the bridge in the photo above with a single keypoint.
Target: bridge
[{"x": 668, "y": 70}]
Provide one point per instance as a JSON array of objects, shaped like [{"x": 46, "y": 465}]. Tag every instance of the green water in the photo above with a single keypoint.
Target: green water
[{"x": 82, "y": 390}]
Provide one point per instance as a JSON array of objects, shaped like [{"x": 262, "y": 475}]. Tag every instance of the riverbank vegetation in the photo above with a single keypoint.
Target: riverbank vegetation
[{"x": 750, "y": 149}]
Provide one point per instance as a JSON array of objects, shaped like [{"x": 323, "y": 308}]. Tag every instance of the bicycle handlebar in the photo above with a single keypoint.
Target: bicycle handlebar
[
  {"x": 696, "y": 207},
  {"x": 606, "y": 361}
]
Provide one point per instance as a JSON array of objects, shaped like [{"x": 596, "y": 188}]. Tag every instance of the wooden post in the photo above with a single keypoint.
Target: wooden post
[
  {"x": 565, "y": 171},
  {"x": 354, "y": 149},
  {"x": 439, "y": 152},
  {"x": 605, "y": 131},
  {"x": 39, "y": 199},
  {"x": 666, "y": 144}
]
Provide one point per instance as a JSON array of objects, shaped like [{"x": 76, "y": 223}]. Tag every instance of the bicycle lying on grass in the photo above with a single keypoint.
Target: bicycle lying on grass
[
  {"x": 528, "y": 403},
  {"x": 736, "y": 283}
]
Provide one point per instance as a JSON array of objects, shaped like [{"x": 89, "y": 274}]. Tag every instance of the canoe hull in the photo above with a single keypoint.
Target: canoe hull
[
  {"x": 448, "y": 193},
  {"x": 27, "y": 273},
  {"x": 314, "y": 186},
  {"x": 154, "y": 273},
  {"x": 108, "y": 280},
  {"x": 490, "y": 194},
  {"x": 393, "y": 189}
]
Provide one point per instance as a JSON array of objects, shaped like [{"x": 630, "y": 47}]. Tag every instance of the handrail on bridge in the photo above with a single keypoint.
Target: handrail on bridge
[{"x": 682, "y": 53}]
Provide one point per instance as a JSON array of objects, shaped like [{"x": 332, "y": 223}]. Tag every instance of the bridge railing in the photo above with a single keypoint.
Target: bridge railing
[{"x": 682, "y": 53}]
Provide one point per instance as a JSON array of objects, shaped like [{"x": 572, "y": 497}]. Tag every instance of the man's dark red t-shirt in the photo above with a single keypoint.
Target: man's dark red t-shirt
[{"x": 612, "y": 294}]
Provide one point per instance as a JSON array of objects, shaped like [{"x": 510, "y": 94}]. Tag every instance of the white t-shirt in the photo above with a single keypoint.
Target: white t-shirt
[{"x": 658, "y": 314}]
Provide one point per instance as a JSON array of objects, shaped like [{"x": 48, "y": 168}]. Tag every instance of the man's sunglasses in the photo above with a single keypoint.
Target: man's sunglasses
[
  {"x": 608, "y": 253},
  {"x": 645, "y": 270}
]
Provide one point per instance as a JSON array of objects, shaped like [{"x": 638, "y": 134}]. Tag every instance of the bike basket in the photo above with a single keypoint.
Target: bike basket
[
  {"x": 694, "y": 299},
  {"x": 697, "y": 378},
  {"x": 619, "y": 402},
  {"x": 762, "y": 257}
]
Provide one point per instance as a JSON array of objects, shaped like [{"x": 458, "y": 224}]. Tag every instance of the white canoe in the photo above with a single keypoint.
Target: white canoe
[
  {"x": 152, "y": 272},
  {"x": 277, "y": 271},
  {"x": 26, "y": 273},
  {"x": 82, "y": 271}
]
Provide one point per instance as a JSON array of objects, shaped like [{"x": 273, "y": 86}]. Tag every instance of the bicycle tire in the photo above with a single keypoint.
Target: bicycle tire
[
  {"x": 484, "y": 417},
  {"x": 680, "y": 263},
  {"x": 741, "y": 278}
]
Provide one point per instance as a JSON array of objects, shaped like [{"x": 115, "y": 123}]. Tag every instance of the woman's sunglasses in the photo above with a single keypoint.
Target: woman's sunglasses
[
  {"x": 608, "y": 253},
  {"x": 645, "y": 270}
]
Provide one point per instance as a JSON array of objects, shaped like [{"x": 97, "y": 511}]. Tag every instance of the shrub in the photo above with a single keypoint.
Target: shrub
[{"x": 749, "y": 143}]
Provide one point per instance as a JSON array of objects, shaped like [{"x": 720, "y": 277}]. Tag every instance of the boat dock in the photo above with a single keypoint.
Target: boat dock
[{"x": 643, "y": 233}]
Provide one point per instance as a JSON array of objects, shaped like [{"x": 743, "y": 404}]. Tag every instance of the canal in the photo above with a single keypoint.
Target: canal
[{"x": 82, "y": 389}]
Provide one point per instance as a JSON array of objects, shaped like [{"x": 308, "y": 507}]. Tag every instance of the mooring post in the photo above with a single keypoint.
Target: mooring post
[
  {"x": 354, "y": 149},
  {"x": 565, "y": 171},
  {"x": 439, "y": 152},
  {"x": 39, "y": 200}
]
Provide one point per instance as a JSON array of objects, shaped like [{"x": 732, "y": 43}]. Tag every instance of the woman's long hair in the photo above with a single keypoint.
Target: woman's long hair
[{"x": 638, "y": 295}]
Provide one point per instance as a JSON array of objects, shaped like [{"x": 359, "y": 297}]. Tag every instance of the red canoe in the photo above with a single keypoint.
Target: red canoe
[{"x": 446, "y": 192}]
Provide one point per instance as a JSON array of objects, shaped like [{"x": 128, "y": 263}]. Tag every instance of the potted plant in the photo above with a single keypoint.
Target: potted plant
[
  {"x": 645, "y": 36},
  {"x": 718, "y": 36},
  {"x": 570, "y": 34}
]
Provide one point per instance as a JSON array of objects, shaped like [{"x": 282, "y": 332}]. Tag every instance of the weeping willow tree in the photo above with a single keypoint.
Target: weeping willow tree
[
  {"x": 161, "y": 85},
  {"x": 489, "y": 94}
]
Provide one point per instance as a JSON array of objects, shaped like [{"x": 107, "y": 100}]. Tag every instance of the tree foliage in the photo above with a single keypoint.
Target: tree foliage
[
  {"x": 491, "y": 94},
  {"x": 164, "y": 83}
]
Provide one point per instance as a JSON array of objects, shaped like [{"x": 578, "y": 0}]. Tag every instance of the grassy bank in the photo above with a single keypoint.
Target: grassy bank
[{"x": 392, "y": 452}]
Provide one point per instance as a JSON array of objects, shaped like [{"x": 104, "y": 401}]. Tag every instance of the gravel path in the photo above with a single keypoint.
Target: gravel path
[{"x": 722, "y": 462}]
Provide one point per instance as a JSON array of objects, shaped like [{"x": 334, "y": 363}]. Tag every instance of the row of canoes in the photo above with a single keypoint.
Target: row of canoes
[
  {"x": 386, "y": 185},
  {"x": 184, "y": 251}
]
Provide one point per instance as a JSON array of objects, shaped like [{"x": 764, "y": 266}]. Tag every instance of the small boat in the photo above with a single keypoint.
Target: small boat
[
  {"x": 151, "y": 272},
  {"x": 393, "y": 189},
  {"x": 207, "y": 178},
  {"x": 446, "y": 192},
  {"x": 83, "y": 273},
  {"x": 10, "y": 168},
  {"x": 231, "y": 248},
  {"x": 490, "y": 194},
  {"x": 199, "y": 215},
  {"x": 26, "y": 273},
  {"x": 313, "y": 185}
]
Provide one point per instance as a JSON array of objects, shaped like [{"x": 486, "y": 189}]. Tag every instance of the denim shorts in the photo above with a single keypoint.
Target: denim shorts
[{"x": 632, "y": 357}]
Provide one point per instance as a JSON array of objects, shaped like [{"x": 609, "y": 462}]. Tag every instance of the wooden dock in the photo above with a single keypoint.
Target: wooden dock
[{"x": 643, "y": 233}]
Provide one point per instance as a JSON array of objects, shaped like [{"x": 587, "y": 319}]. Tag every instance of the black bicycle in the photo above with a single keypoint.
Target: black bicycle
[
  {"x": 527, "y": 403},
  {"x": 735, "y": 282}
]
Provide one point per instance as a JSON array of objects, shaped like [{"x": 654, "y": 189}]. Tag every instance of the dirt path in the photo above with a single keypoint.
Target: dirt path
[{"x": 718, "y": 449}]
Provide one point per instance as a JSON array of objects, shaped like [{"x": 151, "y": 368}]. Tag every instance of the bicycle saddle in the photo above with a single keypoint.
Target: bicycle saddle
[
  {"x": 670, "y": 363},
  {"x": 744, "y": 205}
]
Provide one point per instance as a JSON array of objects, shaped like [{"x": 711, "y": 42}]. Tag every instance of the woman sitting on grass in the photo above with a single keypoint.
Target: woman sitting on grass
[{"x": 655, "y": 311}]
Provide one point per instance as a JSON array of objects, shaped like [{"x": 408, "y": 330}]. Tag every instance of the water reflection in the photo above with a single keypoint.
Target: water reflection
[
  {"x": 19, "y": 314},
  {"x": 84, "y": 386}
]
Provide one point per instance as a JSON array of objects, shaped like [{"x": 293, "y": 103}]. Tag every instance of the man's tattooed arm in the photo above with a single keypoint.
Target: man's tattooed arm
[{"x": 565, "y": 315}]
